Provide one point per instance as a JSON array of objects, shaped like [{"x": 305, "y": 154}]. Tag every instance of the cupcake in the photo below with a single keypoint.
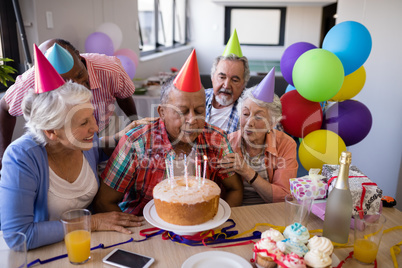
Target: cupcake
[
  {"x": 316, "y": 258},
  {"x": 292, "y": 245},
  {"x": 321, "y": 243},
  {"x": 298, "y": 231},
  {"x": 266, "y": 252},
  {"x": 293, "y": 261},
  {"x": 273, "y": 234}
]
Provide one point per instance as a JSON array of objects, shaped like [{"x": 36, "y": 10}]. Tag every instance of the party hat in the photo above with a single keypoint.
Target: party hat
[
  {"x": 233, "y": 46},
  {"x": 188, "y": 78},
  {"x": 60, "y": 58},
  {"x": 46, "y": 76},
  {"x": 265, "y": 89}
]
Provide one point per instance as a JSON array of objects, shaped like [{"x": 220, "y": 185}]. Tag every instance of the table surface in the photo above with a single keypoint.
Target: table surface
[{"x": 170, "y": 254}]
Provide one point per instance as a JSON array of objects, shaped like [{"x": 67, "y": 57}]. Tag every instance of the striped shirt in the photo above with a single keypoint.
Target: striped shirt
[
  {"x": 138, "y": 162},
  {"x": 233, "y": 123},
  {"x": 107, "y": 80}
]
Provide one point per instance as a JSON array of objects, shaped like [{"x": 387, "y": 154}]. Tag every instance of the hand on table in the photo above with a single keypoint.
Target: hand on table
[{"x": 115, "y": 221}]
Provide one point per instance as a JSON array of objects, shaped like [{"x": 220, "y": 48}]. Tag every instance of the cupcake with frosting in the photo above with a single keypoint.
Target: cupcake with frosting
[
  {"x": 316, "y": 258},
  {"x": 266, "y": 252},
  {"x": 293, "y": 260},
  {"x": 272, "y": 234},
  {"x": 297, "y": 231},
  {"x": 321, "y": 243},
  {"x": 292, "y": 245}
]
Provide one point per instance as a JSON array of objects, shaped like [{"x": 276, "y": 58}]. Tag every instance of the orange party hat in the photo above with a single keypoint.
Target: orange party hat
[
  {"x": 46, "y": 76},
  {"x": 266, "y": 88},
  {"x": 188, "y": 78},
  {"x": 233, "y": 46}
]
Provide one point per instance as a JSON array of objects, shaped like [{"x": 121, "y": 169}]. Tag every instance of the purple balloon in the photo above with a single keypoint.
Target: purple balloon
[
  {"x": 350, "y": 119},
  {"x": 128, "y": 65},
  {"x": 98, "y": 42},
  {"x": 290, "y": 56}
]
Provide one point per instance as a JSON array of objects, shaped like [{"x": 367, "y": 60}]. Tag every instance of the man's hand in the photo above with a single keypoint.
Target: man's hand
[{"x": 115, "y": 221}]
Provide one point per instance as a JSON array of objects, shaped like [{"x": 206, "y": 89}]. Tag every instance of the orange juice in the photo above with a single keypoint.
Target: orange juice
[
  {"x": 365, "y": 250},
  {"x": 78, "y": 244}
]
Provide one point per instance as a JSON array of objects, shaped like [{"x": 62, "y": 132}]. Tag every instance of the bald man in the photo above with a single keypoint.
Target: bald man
[{"x": 103, "y": 75}]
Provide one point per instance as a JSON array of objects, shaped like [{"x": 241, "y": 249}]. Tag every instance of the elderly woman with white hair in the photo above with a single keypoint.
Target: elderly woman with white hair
[
  {"x": 53, "y": 167},
  {"x": 263, "y": 156}
]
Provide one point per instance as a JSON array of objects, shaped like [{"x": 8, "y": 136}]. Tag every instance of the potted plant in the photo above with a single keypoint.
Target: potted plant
[{"x": 6, "y": 72}]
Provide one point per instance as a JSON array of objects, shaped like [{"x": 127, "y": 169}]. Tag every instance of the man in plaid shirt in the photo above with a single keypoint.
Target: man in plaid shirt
[{"x": 138, "y": 162}]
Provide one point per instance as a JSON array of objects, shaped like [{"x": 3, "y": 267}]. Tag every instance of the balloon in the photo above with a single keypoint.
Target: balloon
[
  {"x": 300, "y": 116},
  {"x": 289, "y": 88},
  {"x": 352, "y": 85},
  {"x": 128, "y": 53},
  {"x": 128, "y": 65},
  {"x": 318, "y": 75},
  {"x": 320, "y": 147},
  {"x": 99, "y": 43},
  {"x": 289, "y": 57},
  {"x": 113, "y": 31},
  {"x": 351, "y": 42},
  {"x": 350, "y": 119}
]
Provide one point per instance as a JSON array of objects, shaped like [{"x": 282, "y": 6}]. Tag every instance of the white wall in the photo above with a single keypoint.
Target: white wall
[
  {"x": 303, "y": 23},
  {"x": 379, "y": 154}
]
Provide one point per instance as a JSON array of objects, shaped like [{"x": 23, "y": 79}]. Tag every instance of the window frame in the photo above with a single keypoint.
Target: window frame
[{"x": 159, "y": 47}]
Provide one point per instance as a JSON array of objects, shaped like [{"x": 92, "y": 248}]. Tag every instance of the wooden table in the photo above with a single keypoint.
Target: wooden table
[{"x": 169, "y": 254}]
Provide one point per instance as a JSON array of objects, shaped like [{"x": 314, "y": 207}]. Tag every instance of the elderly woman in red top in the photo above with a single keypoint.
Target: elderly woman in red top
[{"x": 264, "y": 157}]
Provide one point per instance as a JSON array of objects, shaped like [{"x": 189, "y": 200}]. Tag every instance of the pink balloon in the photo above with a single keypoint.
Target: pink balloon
[
  {"x": 128, "y": 53},
  {"x": 128, "y": 65}
]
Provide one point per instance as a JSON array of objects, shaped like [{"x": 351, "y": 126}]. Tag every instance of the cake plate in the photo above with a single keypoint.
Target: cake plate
[{"x": 221, "y": 216}]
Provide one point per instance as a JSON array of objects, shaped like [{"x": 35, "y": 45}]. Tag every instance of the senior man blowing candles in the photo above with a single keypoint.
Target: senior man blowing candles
[{"x": 138, "y": 162}]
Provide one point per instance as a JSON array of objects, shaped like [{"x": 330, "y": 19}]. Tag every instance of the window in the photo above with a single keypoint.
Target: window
[
  {"x": 263, "y": 26},
  {"x": 162, "y": 25}
]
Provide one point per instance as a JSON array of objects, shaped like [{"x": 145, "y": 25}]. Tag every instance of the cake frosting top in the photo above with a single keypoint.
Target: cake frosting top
[
  {"x": 196, "y": 192},
  {"x": 321, "y": 243},
  {"x": 317, "y": 258},
  {"x": 270, "y": 246},
  {"x": 292, "y": 245},
  {"x": 293, "y": 260},
  {"x": 273, "y": 234},
  {"x": 297, "y": 231}
]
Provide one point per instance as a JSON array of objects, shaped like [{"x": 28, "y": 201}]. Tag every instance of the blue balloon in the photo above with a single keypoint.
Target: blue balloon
[
  {"x": 289, "y": 88},
  {"x": 351, "y": 42}
]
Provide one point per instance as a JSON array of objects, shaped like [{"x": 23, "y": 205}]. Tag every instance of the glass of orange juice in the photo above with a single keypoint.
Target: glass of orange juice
[
  {"x": 367, "y": 236},
  {"x": 77, "y": 234}
]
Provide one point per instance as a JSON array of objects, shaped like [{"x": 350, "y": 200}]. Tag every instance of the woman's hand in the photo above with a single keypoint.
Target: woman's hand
[
  {"x": 235, "y": 162},
  {"x": 116, "y": 221},
  {"x": 136, "y": 123}
]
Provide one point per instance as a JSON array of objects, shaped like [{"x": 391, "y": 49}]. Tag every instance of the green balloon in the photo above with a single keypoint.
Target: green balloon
[{"x": 318, "y": 75}]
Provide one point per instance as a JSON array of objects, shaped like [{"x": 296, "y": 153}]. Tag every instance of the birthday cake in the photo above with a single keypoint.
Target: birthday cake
[{"x": 191, "y": 203}]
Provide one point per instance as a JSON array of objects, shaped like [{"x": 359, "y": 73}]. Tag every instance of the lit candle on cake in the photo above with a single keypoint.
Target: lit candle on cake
[
  {"x": 167, "y": 170},
  {"x": 171, "y": 171},
  {"x": 205, "y": 168},
  {"x": 185, "y": 170}
]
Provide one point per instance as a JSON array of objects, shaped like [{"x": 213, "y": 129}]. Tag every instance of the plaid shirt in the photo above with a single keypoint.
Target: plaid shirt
[
  {"x": 107, "y": 80},
  {"x": 138, "y": 162},
  {"x": 233, "y": 123}
]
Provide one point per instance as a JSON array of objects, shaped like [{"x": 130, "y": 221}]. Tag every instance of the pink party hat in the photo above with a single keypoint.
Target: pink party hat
[
  {"x": 188, "y": 78},
  {"x": 60, "y": 58},
  {"x": 266, "y": 88},
  {"x": 46, "y": 76},
  {"x": 233, "y": 46}
]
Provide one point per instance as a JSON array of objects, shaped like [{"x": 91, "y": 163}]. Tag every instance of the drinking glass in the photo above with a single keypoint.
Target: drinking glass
[
  {"x": 77, "y": 234},
  {"x": 13, "y": 250},
  {"x": 297, "y": 210},
  {"x": 367, "y": 236}
]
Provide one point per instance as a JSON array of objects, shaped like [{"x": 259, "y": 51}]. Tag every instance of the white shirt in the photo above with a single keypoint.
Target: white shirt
[
  {"x": 63, "y": 196},
  {"x": 220, "y": 117}
]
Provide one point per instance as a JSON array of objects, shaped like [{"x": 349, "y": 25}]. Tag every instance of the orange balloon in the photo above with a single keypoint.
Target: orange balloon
[
  {"x": 321, "y": 147},
  {"x": 352, "y": 85}
]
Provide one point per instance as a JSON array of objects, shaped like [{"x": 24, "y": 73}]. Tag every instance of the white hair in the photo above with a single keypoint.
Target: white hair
[
  {"x": 274, "y": 108},
  {"x": 48, "y": 111},
  {"x": 233, "y": 57}
]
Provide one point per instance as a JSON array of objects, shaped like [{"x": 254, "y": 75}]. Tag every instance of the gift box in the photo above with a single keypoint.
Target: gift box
[
  {"x": 310, "y": 186},
  {"x": 366, "y": 195}
]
